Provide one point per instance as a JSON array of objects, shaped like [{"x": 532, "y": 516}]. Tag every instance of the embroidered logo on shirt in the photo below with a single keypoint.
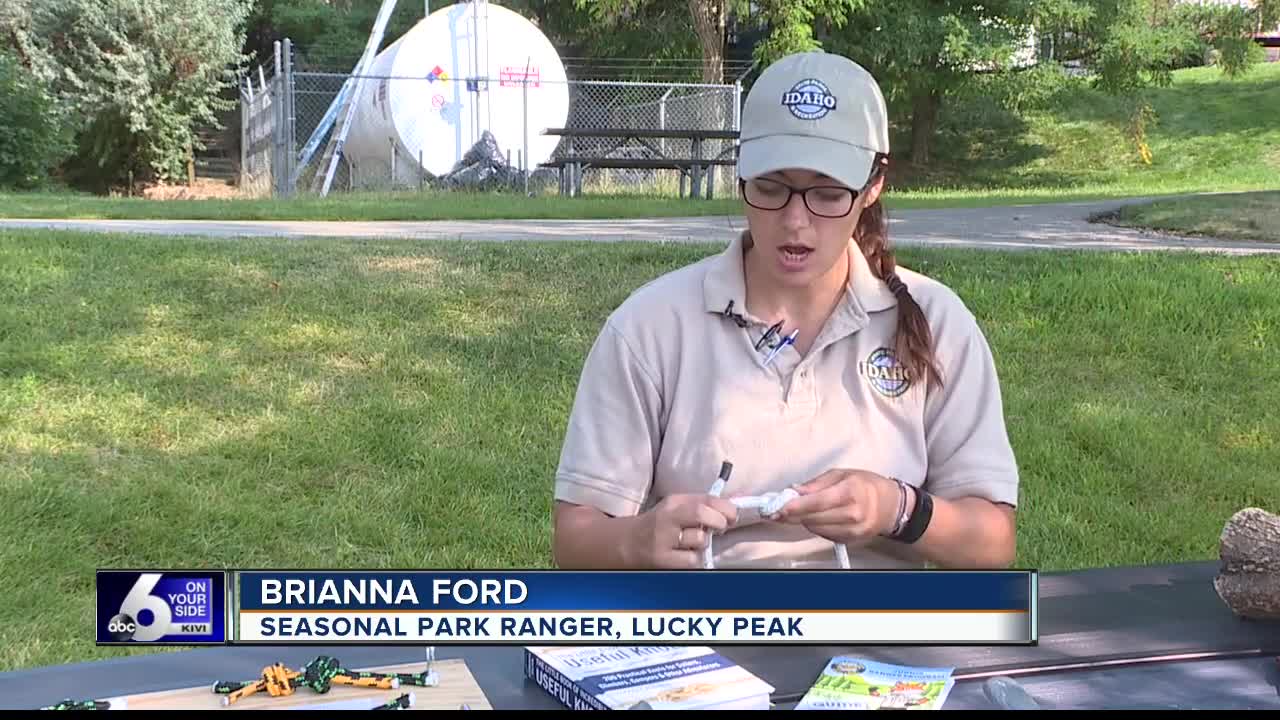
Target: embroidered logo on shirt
[{"x": 885, "y": 373}]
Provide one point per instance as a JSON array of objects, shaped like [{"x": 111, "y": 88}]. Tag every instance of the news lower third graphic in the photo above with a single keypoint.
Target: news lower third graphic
[
  {"x": 670, "y": 608},
  {"x": 169, "y": 607},
  {"x": 553, "y": 607}
]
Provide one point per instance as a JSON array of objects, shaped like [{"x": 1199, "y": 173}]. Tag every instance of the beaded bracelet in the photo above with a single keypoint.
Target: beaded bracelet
[{"x": 900, "y": 521}]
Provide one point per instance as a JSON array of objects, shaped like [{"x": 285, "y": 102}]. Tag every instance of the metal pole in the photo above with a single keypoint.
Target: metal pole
[
  {"x": 475, "y": 68},
  {"x": 524, "y": 89},
  {"x": 737, "y": 113},
  {"x": 290, "y": 119},
  {"x": 737, "y": 105},
  {"x": 488, "y": 99},
  {"x": 277, "y": 145},
  {"x": 662, "y": 116},
  {"x": 246, "y": 133}
]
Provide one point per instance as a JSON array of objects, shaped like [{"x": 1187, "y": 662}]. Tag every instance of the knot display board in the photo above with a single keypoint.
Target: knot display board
[{"x": 457, "y": 687}]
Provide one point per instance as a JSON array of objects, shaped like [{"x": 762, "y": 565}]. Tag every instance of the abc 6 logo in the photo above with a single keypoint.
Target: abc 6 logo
[{"x": 122, "y": 627}]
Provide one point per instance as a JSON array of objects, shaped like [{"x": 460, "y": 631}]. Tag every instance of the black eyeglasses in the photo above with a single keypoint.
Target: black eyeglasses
[{"x": 829, "y": 201}]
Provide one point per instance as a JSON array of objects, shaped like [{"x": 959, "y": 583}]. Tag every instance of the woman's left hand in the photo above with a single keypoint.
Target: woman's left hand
[{"x": 851, "y": 507}]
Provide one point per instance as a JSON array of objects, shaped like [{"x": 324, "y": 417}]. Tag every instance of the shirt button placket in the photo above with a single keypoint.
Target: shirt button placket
[
  {"x": 804, "y": 386},
  {"x": 797, "y": 388}
]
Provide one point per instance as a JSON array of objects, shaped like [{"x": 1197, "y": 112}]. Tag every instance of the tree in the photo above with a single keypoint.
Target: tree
[
  {"x": 142, "y": 74},
  {"x": 1134, "y": 45},
  {"x": 708, "y": 20},
  {"x": 629, "y": 43},
  {"x": 923, "y": 50},
  {"x": 920, "y": 50},
  {"x": 791, "y": 25},
  {"x": 329, "y": 35},
  {"x": 1228, "y": 30},
  {"x": 1131, "y": 45},
  {"x": 35, "y": 136}
]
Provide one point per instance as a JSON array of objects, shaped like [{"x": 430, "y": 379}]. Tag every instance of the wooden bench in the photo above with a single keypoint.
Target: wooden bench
[{"x": 570, "y": 169}]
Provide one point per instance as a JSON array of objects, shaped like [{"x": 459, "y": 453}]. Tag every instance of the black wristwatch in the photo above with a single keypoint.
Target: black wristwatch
[{"x": 921, "y": 514}]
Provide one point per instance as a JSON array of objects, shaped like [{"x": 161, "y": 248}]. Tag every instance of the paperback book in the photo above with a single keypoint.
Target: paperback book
[
  {"x": 852, "y": 683},
  {"x": 657, "y": 678}
]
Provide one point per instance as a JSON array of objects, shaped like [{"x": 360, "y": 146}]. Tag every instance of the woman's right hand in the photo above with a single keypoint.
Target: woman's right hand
[{"x": 673, "y": 534}]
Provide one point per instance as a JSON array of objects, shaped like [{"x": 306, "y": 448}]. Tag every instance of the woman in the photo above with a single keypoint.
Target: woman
[{"x": 800, "y": 358}]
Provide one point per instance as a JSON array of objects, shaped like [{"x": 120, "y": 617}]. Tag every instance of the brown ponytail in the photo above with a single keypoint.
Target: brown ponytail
[{"x": 914, "y": 340}]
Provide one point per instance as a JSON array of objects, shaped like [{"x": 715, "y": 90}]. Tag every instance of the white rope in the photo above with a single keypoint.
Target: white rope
[
  {"x": 432, "y": 678},
  {"x": 767, "y": 505},
  {"x": 716, "y": 488}
]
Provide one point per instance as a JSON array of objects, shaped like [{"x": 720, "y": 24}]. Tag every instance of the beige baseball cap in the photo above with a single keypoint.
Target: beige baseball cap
[{"x": 814, "y": 110}]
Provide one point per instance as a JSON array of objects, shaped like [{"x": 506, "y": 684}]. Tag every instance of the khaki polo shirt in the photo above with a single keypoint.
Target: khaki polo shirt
[{"x": 672, "y": 387}]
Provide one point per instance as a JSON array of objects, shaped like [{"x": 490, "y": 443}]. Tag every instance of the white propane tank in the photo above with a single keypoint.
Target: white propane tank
[{"x": 458, "y": 72}]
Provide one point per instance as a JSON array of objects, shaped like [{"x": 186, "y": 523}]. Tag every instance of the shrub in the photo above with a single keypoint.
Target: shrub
[
  {"x": 143, "y": 73},
  {"x": 35, "y": 135}
]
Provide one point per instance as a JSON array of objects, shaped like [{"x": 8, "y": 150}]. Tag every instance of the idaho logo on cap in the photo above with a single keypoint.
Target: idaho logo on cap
[{"x": 809, "y": 99}]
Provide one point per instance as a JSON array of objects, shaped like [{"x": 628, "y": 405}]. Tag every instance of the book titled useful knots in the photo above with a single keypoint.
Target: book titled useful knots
[{"x": 653, "y": 677}]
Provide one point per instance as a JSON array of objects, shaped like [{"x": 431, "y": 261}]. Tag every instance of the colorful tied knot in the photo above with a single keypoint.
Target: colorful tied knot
[{"x": 320, "y": 675}]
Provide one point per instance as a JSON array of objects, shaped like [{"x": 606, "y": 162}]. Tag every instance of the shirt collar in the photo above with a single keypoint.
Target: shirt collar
[
  {"x": 870, "y": 291},
  {"x": 725, "y": 283}
]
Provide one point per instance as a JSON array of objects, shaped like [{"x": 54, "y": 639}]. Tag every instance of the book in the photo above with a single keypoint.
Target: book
[
  {"x": 653, "y": 677},
  {"x": 853, "y": 683}
]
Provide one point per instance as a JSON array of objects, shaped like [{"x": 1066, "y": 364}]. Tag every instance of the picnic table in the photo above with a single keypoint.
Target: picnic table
[
  {"x": 696, "y": 166},
  {"x": 1128, "y": 637}
]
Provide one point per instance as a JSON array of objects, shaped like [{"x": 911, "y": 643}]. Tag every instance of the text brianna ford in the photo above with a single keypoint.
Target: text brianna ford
[{"x": 366, "y": 591}]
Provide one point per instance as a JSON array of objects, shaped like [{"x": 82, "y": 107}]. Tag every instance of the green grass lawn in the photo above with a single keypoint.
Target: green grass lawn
[
  {"x": 1209, "y": 134},
  {"x": 362, "y": 206},
  {"x": 467, "y": 206},
  {"x": 1247, "y": 216},
  {"x": 323, "y": 403}
]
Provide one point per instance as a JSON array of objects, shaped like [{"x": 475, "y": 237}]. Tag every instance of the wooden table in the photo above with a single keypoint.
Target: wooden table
[
  {"x": 697, "y": 166},
  {"x": 457, "y": 688},
  {"x": 1146, "y": 636}
]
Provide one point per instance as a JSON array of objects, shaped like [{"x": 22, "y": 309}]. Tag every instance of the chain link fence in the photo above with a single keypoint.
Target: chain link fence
[
  {"x": 266, "y": 127},
  {"x": 291, "y": 119},
  {"x": 259, "y": 146},
  {"x": 650, "y": 106}
]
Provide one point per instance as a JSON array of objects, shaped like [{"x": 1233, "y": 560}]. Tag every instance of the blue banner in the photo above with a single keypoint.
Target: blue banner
[
  {"x": 161, "y": 607},
  {"x": 709, "y": 591}
]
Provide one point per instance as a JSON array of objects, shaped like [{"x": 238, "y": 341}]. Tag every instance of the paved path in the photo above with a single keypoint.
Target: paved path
[{"x": 1055, "y": 226}]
